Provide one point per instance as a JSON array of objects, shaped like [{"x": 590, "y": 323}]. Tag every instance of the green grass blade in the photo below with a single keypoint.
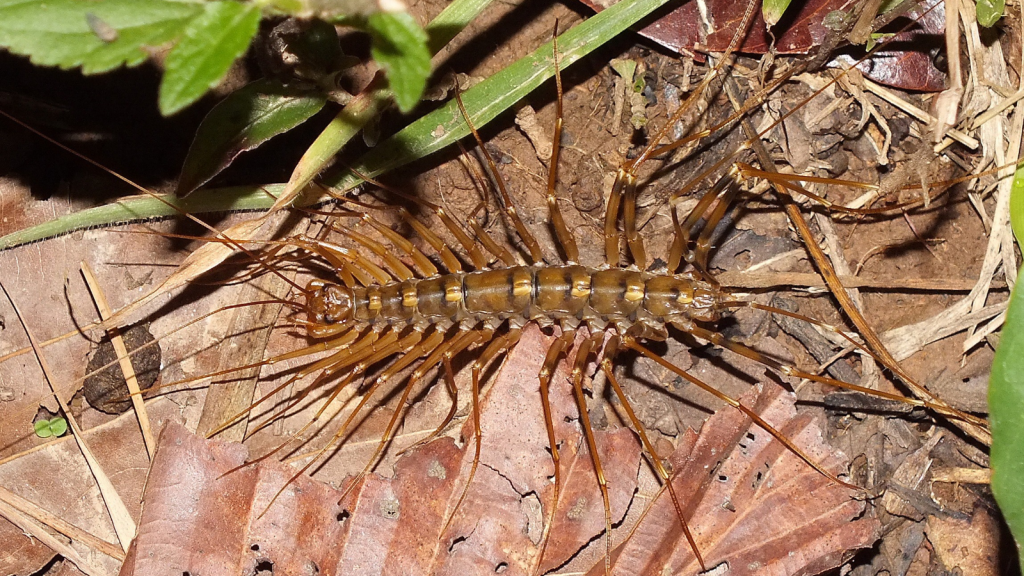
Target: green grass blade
[
  {"x": 1006, "y": 414},
  {"x": 488, "y": 99},
  {"x": 1006, "y": 394},
  {"x": 141, "y": 208}
]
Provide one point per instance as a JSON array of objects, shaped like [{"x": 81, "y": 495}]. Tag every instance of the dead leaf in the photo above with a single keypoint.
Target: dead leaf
[
  {"x": 970, "y": 546},
  {"x": 803, "y": 28},
  {"x": 200, "y": 521},
  {"x": 759, "y": 508}
]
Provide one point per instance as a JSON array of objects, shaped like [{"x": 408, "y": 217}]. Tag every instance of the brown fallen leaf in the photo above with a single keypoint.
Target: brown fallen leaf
[
  {"x": 968, "y": 546},
  {"x": 197, "y": 520},
  {"x": 805, "y": 27},
  {"x": 752, "y": 503}
]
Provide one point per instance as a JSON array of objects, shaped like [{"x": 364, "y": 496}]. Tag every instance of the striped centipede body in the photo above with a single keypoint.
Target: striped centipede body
[{"x": 612, "y": 297}]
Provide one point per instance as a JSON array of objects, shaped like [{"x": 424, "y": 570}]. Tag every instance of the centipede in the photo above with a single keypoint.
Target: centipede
[{"x": 392, "y": 296}]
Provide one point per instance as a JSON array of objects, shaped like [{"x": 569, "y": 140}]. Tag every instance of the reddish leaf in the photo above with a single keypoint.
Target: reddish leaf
[
  {"x": 760, "y": 509},
  {"x": 908, "y": 64},
  {"x": 390, "y": 526},
  {"x": 757, "y": 506}
]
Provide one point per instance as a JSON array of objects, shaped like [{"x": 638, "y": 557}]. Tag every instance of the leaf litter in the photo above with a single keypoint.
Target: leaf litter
[
  {"x": 760, "y": 508},
  {"x": 900, "y": 264}
]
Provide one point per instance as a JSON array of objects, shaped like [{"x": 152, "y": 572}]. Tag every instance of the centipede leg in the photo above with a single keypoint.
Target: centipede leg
[
  {"x": 611, "y": 224},
  {"x": 588, "y": 432},
  {"x": 633, "y": 239},
  {"x": 629, "y": 342},
  {"x": 544, "y": 376},
  {"x": 500, "y": 252},
  {"x": 497, "y": 346},
  {"x": 442, "y": 353},
  {"x": 790, "y": 370},
  {"x": 421, "y": 263},
  {"x": 366, "y": 340},
  {"x": 367, "y": 357},
  {"x": 562, "y": 232},
  {"x": 700, "y": 255},
  {"x": 425, "y": 346},
  {"x": 609, "y": 372},
  {"x": 532, "y": 246},
  {"x": 681, "y": 244}
]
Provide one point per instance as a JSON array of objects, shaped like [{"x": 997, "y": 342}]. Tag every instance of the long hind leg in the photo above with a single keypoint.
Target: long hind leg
[
  {"x": 560, "y": 345},
  {"x": 578, "y": 368},
  {"x": 609, "y": 372}
]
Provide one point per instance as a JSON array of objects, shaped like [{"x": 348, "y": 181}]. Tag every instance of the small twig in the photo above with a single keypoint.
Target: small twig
[
  {"x": 962, "y": 475},
  {"x": 125, "y": 360},
  {"x": 29, "y": 526},
  {"x": 53, "y": 521},
  {"x": 760, "y": 280},
  {"x": 916, "y": 112}
]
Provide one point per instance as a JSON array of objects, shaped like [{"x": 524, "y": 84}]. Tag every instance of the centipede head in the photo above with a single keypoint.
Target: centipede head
[
  {"x": 328, "y": 303},
  {"x": 681, "y": 299}
]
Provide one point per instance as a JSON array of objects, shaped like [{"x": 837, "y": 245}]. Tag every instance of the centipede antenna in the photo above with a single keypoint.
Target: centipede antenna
[{"x": 155, "y": 196}]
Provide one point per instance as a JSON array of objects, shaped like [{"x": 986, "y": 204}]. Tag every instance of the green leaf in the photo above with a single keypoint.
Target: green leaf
[
  {"x": 242, "y": 121},
  {"x": 429, "y": 134},
  {"x": 1006, "y": 415},
  {"x": 42, "y": 428},
  {"x": 202, "y": 57},
  {"x": 97, "y": 36},
  {"x": 58, "y": 426},
  {"x": 990, "y": 11},
  {"x": 369, "y": 103},
  {"x": 772, "y": 10},
  {"x": 1017, "y": 204},
  {"x": 400, "y": 47},
  {"x": 54, "y": 427}
]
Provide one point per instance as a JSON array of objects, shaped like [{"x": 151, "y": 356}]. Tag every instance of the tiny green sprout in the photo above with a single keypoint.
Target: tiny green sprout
[
  {"x": 877, "y": 38},
  {"x": 55, "y": 427}
]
